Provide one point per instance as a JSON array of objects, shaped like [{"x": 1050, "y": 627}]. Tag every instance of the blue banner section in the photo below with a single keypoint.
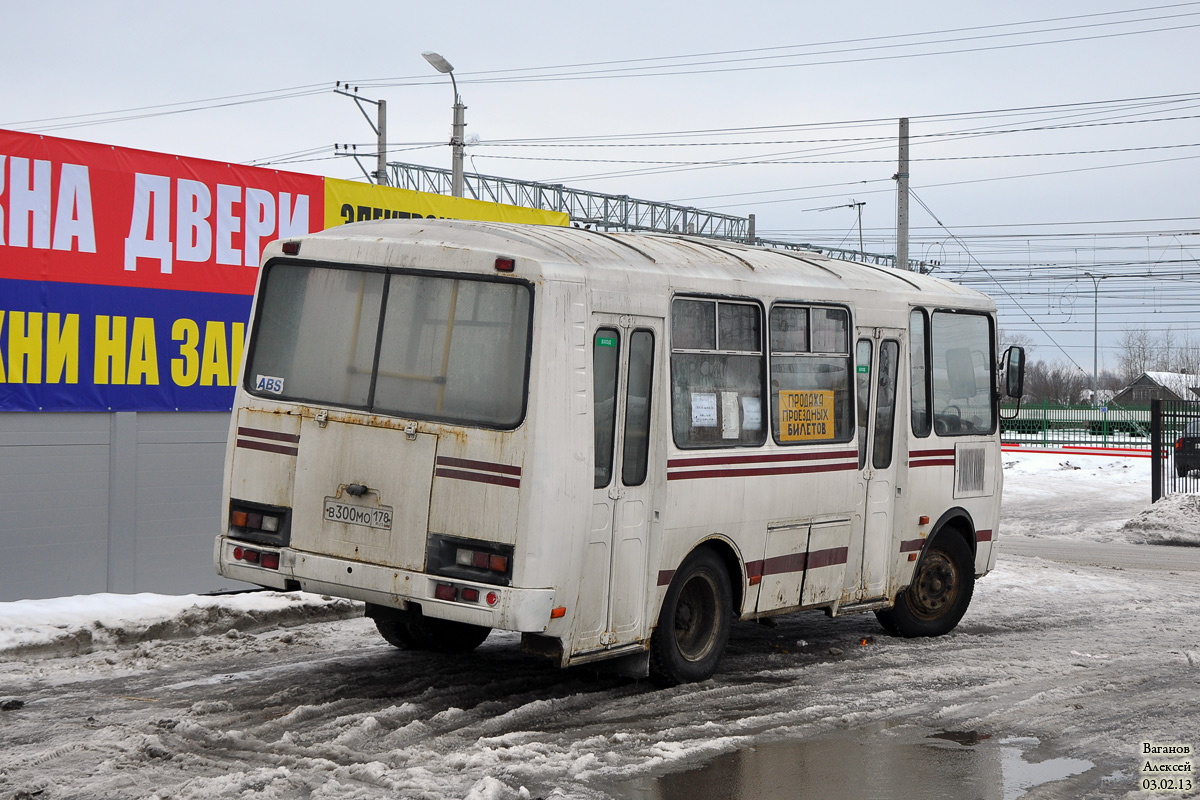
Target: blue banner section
[{"x": 82, "y": 347}]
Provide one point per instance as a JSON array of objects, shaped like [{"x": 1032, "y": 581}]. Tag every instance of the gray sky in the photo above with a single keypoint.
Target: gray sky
[{"x": 822, "y": 84}]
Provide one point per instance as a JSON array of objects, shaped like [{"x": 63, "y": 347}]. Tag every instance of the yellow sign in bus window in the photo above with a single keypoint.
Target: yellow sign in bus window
[{"x": 806, "y": 415}]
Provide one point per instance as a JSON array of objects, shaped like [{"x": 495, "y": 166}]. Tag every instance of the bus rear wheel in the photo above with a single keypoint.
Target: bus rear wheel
[
  {"x": 939, "y": 594},
  {"x": 693, "y": 625},
  {"x": 427, "y": 633}
]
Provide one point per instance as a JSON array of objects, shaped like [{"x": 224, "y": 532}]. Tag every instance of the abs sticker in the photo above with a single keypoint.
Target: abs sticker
[{"x": 265, "y": 383}]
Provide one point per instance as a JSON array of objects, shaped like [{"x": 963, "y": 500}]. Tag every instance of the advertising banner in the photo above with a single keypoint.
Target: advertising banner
[
  {"x": 355, "y": 202},
  {"x": 125, "y": 275}
]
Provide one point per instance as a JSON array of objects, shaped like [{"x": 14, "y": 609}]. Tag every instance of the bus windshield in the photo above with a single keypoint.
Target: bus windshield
[{"x": 448, "y": 348}]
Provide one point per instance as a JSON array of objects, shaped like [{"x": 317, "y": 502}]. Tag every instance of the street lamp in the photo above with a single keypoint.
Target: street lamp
[{"x": 456, "y": 137}]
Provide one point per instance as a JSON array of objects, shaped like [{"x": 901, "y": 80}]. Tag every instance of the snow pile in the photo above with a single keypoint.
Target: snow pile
[
  {"x": 1175, "y": 519},
  {"x": 76, "y": 625},
  {"x": 1044, "y": 493}
]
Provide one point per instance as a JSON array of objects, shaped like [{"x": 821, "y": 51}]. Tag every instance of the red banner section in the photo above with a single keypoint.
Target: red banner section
[{"x": 83, "y": 213}]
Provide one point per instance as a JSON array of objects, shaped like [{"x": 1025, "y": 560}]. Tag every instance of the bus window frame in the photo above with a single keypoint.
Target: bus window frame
[
  {"x": 809, "y": 305},
  {"x": 671, "y": 350},
  {"x": 990, "y": 388},
  {"x": 261, "y": 289}
]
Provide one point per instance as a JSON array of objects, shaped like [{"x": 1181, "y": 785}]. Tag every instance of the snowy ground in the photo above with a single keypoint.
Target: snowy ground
[{"x": 1065, "y": 666}]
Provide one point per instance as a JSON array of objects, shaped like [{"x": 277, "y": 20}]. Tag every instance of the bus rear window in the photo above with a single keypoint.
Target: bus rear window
[{"x": 430, "y": 347}]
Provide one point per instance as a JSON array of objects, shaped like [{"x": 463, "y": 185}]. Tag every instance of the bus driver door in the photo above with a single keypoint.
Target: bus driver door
[{"x": 612, "y": 593}]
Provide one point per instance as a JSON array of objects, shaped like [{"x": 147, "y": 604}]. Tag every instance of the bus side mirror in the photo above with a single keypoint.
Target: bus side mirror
[{"x": 1014, "y": 372}]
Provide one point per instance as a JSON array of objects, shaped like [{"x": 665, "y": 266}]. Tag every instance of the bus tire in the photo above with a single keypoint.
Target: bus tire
[
  {"x": 693, "y": 625},
  {"x": 436, "y": 635},
  {"x": 939, "y": 594}
]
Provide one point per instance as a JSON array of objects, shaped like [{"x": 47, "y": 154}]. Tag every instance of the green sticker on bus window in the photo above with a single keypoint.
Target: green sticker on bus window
[
  {"x": 606, "y": 341},
  {"x": 863, "y": 369}
]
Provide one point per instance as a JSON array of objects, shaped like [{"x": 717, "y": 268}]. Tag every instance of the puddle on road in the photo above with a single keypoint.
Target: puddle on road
[{"x": 870, "y": 764}]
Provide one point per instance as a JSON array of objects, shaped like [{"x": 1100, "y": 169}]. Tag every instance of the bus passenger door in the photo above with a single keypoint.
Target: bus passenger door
[
  {"x": 880, "y": 440},
  {"x": 612, "y": 594}
]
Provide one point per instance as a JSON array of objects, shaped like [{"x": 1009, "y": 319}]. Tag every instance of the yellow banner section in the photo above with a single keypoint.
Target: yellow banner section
[
  {"x": 805, "y": 415},
  {"x": 346, "y": 201}
]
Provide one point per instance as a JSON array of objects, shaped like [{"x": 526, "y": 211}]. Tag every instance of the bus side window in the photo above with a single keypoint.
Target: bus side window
[
  {"x": 810, "y": 374},
  {"x": 863, "y": 388},
  {"x": 717, "y": 373},
  {"x": 962, "y": 373},
  {"x": 885, "y": 404},
  {"x": 918, "y": 363},
  {"x": 635, "y": 443},
  {"x": 606, "y": 357}
]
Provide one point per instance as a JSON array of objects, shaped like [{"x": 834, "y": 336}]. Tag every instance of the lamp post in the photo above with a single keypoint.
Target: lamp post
[
  {"x": 1096, "y": 335},
  {"x": 456, "y": 137}
]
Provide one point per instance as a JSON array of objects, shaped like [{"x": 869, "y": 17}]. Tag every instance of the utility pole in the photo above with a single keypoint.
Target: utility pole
[
  {"x": 902, "y": 199},
  {"x": 380, "y": 127}
]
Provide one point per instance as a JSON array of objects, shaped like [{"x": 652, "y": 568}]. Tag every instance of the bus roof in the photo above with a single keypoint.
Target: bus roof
[{"x": 568, "y": 252}]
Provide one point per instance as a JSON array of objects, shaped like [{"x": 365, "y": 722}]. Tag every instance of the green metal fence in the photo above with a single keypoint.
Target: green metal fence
[{"x": 1048, "y": 426}]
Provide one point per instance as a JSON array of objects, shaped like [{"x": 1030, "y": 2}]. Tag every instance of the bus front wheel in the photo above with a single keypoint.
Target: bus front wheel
[
  {"x": 427, "y": 633},
  {"x": 940, "y": 591},
  {"x": 693, "y": 625}
]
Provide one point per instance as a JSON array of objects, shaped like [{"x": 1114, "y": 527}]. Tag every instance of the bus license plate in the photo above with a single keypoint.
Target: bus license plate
[{"x": 378, "y": 517}]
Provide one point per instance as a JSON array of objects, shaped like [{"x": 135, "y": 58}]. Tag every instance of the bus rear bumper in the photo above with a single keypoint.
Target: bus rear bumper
[{"x": 512, "y": 609}]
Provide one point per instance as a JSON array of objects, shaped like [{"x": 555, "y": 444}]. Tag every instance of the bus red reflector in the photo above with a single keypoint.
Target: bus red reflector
[
  {"x": 924, "y": 520},
  {"x": 470, "y": 595},
  {"x": 291, "y": 248},
  {"x": 445, "y": 591},
  {"x": 492, "y": 598},
  {"x": 505, "y": 264},
  {"x": 237, "y": 553},
  {"x": 558, "y": 613},
  {"x": 270, "y": 560}
]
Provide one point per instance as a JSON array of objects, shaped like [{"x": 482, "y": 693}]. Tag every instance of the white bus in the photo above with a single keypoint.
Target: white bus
[{"x": 615, "y": 444}]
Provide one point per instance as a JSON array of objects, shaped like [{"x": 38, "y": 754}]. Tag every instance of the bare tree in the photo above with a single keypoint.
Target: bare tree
[
  {"x": 1056, "y": 383},
  {"x": 1137, "y": 354}
]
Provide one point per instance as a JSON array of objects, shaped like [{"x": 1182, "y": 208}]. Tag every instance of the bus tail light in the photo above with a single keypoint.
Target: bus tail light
[
  {"x": 469, "y": 559},
  {"x": 263, "y": 559},
  {"x": 260, "y": 523},
  {"x": 445, "y": 591}
]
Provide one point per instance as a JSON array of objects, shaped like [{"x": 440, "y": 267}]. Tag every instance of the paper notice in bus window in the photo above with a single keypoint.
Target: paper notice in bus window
[
  {"x": 731, "y": 418},
  {"x": 704, "y": 410},
  {"x": 805, "y": 415},
  {"x": 752, "y": 413}
]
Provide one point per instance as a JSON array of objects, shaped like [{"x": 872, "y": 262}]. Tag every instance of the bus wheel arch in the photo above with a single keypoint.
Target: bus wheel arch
[
  {"x": 694, "y": 621},
  {"x": 942, "y": 585}
]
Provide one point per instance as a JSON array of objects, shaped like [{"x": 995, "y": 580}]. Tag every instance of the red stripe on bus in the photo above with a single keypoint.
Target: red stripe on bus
[
  {"x": 944, "y": 462},
  {"x": 983, "y": 536},
  {"x": 827, "y": 558},
  {"x": 930, "y": 453},
  {"x": 282, "y": 450},
  {"x": 478, "y": 477},
  {"x": 777, "y": 565},
  {"x": 258, "y": 433},
  {"x": 487, "y": 466},
  {"x": 710, "y": 461},
  {"x": 911, "y": 545},
  {"x": 681, "y": 475}
]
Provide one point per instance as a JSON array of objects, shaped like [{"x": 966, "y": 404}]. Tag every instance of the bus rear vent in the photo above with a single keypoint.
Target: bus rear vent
[{"x": 970, "y": 464}]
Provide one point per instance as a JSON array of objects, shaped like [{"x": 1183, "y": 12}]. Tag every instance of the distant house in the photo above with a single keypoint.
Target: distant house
[{"x": 1171, "y": 386}]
